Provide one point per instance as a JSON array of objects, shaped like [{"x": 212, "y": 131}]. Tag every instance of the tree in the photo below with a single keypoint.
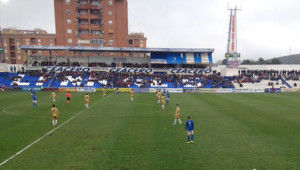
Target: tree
[
  {"x": 261, "y": 61},
  {"x": 224, "y": 62},
  {"x": 246, "y": 62},
  {"x": 276, "y": 61}
]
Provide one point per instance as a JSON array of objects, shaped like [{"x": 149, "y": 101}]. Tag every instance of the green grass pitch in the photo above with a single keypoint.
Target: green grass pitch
[{"x": 232, "y": 131}]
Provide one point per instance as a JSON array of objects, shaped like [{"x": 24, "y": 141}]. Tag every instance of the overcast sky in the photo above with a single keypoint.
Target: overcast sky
[{"x": 266, "y": 28}]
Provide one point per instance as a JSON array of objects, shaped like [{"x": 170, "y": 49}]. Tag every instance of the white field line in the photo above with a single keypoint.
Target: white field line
[
  {"x": 4, "y": 110},
  {"x": 36, "y": 141}
]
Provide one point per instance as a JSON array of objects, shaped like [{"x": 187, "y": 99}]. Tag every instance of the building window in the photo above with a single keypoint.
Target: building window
[
  {"x": 19, "y": 56},
  {"x": 69, "y": 31},
  {"x": 110, "y": 22},
  {"x": 39, "y": 40},
  {"x": 110, "y": 13},
  {"x": 6, "y": 56},
  {"x": 69, "y": 21},
  {"x": 67, "y": 1},
  {"x": 83, "y": 31},
  {"x": 111, "y": 42},
  {"x": 96, "y": 32},
  {"x": 97, "y": 41},
  {"x": 5, "y": 42},
  {"x": 40, "y": 53},
  {"x": 70, "y": 41},
  {"x": 83, "y": 11},
  {"x": 68, "y": 11},
  {"x": 84, "y": 22},
  {"x": 95, "y": 22},
  {"x": 33, "y": 40},
  {"x": 130, "y": 42},
  {"x": 95, "y": 12},
  {"x": 51, "y": 42},
  {"x": 95, "y": 2},
  {"x": 20, "y": 61},
  {"x": 110, "y": 2},
  {"x": 82, "y": 2}
]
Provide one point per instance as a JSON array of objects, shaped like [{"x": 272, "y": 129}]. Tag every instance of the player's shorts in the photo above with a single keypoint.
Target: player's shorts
[
  {"x": 190, "y": 132},
  {"x": 87, "y": 101},
  {"x": 34, "y": 101},
  {"x": 163, "y": 103},
  {"x": 54, "y": 117},
  {"x": 168, "y": 98},
  {"x": 177, "y": 116},
  {"x": 54, "y": 97},
  {"x": 32, "y": 94},
  {"x": 68, "y": 98}
]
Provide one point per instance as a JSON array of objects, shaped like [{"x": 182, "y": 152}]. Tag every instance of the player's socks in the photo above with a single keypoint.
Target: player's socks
[
  {"x": 179, "y": 121},
  {"x": 53, "y": 122},
  {"x": 188, "y": 138},
  {"x": 192, "y": 137},
  {"x": 175, "y": 121}
]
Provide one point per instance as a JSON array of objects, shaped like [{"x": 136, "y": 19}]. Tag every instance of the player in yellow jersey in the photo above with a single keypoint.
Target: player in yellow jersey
[
  {"x": 163, "y": 101},
  {"x": 177, "y": 114},
  {"x": 54, "y": 112},
  {"x": 103, "y": 92},
  {"x": 158, "y": 96},
  {"x": 53, "y": 96},
  {"x": 131, "y": 95},
  {"x": 86, "y": 100}
]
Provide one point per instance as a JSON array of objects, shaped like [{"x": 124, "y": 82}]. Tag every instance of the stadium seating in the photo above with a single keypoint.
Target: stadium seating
[{"x": 104, "y": 79}]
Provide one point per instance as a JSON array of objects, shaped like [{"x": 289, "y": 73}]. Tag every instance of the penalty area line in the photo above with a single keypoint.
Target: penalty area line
[{"x": 39, "y": 139}]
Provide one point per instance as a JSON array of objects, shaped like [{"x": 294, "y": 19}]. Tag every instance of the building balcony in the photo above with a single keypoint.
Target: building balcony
[
  {"x": 84, "y": 35},
  {"x": 83, "y": 26},
  {"x": 82, "y": 6},
  {"x": 96, "y": 6},
  {"x": 96, "y": 26},
  {"x": 96, "y": 16},
  {"x": 82, "y": 16}
]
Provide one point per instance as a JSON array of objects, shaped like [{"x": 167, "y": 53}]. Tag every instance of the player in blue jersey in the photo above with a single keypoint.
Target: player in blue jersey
[
  {"x": 189, "y": 125},
  {"x": 32, "y": 91},
  {"x": 168, "y": 97},
  {"x": 34, "y": 102}
]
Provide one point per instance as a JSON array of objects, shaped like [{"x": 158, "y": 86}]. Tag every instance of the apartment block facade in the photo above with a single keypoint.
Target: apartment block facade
[
  {"x": 91, "y": 23},
  {"x": 11, "y": 39}
]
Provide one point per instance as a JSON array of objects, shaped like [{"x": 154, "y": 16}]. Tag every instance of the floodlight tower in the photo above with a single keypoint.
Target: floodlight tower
[{"x": 233, "y": 7}]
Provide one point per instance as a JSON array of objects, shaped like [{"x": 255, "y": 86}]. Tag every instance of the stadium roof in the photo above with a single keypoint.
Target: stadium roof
[
  {"x": 116, "y": 49},
  {"x": 290, "y": 59}
]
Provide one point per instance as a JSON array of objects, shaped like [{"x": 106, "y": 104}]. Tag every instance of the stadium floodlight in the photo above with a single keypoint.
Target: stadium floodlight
[
  {"x": 4, "y": 1},
  {"x": 234, "y": 4}
]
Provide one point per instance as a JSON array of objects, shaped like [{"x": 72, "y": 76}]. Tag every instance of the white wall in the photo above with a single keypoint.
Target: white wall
[{"x": 6, "y": 67}]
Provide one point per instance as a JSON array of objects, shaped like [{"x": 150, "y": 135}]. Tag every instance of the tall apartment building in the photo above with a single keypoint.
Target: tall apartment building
[
  {"x": 11, "y": 39},
  {"x": 91, "y": 23}
]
